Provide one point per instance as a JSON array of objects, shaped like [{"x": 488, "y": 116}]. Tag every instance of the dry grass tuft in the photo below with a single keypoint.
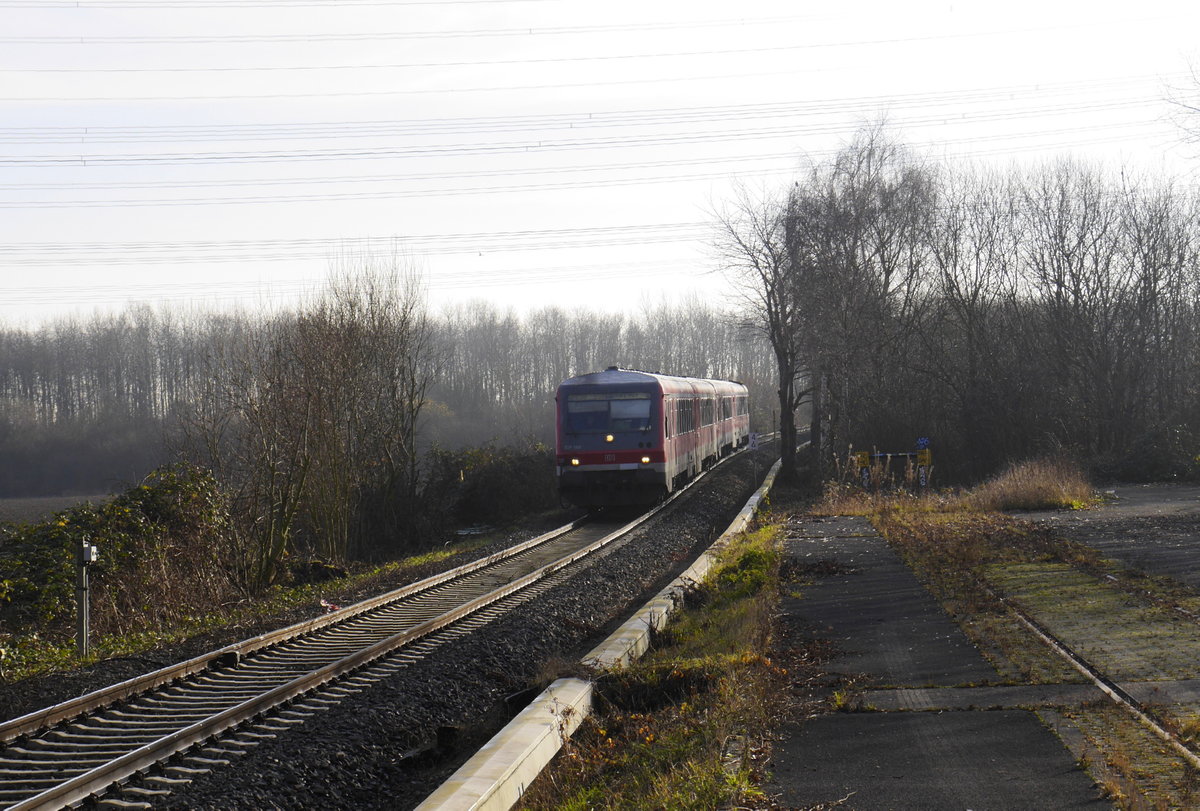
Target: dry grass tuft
[
  {"x": 1038, "y": 484},
  {"x": 840, "y": 498},
  {"x": 1049, "y": 483}
]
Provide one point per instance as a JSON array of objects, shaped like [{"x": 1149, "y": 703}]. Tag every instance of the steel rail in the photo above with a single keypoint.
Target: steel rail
[
  {"x": 88, "y": 783},
  {"x": 40, "y": 719},
  {"x": 1106, "y": 685},
  {"x": 96, "y": 780}
]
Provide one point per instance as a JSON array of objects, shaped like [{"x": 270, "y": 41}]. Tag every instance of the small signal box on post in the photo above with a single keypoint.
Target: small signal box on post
[
  {"x": 862, "y": 460},
  {"x": 86, "y": 555},
  {"x": 924, "y": 461}
]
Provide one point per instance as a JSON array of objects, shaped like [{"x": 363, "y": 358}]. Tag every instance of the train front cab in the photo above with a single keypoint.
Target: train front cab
[{"x": 610, "y": 442}]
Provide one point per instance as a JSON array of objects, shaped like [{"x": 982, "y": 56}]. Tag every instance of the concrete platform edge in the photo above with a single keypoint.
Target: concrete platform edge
[{"x": 498, "y": 774}]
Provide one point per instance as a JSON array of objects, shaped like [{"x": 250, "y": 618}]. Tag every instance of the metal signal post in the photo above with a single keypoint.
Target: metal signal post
[{"x": 88, "y": 554}]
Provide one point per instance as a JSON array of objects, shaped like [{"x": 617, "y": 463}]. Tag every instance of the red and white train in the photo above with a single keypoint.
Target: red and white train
[{"x": 627, "y": 437}]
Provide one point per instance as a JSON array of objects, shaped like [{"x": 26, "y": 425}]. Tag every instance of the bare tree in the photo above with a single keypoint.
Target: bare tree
[
  {"x": 974, "y": 263},
  {"x": 753, "y": 244},
  {"x": 252, "y": 427},
  {"x": 860, "y": 235}
]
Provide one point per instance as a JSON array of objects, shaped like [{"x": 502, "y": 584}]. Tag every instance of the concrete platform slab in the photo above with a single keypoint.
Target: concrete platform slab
[
  {"x": 1012, "y": 696},
  {"x": 955, "y": 760},
  {"x": 1153, "y": 527},
  {"x": 886, "y": 626},
  {"x": 1184, "y": 691},
  {"x": 880, "y": 617}
]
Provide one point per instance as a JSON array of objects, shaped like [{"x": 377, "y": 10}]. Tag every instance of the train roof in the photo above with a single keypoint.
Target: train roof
[{"x": 616, "y": 376}]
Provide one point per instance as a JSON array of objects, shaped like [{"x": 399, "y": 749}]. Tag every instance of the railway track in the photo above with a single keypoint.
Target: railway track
[
  {"x": 1145, "y": 715},
  {"x": 1132, "y": 643},
  {"x": 204, "y": 711}
]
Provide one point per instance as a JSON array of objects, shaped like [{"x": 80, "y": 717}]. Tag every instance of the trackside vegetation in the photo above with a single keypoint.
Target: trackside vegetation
[
  {"x": 1044, "y": 483},
  {"x": 164, "y": 572},
  {"x": 688, "y": 726},
  {"x": 159, "y": 568},
  {"x": 1003, "y": 313},
  {"x": 683, "y": 727}
]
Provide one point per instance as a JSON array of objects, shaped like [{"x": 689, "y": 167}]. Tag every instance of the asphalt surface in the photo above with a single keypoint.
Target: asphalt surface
[
  {"x": 1152, "y": 527},
  {"x": 889, "y": 633}
]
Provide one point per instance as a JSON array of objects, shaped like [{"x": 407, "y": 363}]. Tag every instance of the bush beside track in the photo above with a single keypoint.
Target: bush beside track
[{"x": 166, "y": 551}]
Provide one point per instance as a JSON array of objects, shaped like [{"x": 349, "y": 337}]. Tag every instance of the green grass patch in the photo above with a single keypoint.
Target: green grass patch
[{"x": 678, "y": 729}]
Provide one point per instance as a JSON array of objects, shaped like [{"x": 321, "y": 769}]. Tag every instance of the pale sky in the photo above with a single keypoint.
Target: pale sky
[{"x": 525, "y": 152}]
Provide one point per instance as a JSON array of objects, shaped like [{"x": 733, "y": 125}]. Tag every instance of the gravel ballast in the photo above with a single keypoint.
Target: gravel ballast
[{"x": 390, "y": 745}]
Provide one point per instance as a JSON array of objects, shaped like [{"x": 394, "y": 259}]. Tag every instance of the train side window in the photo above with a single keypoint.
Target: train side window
[{"x": 685, "y": 419}]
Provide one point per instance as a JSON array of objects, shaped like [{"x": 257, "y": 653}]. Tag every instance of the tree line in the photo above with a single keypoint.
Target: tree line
[
  {"x": 1002, "y": 314},
  {"x": 345, "y": 429}
]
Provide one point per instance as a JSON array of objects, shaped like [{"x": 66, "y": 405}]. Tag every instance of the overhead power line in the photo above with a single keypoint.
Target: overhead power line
[
  {"x": 691, "y": 135},
  {"x": 376, "y": 179},
  {"x": 215, "y": 4},
  {"x": 196, "y": 251},
  {"x": 293, "y": 287},
  {"x": 573, "y": 122},
  {"x": 394, "y": 194},
  {"x": 608, "y": 82},
  {"x": 462, "y": 63},
  {"x": 369, "y": 36},
  {"x": 426, "y": 151},
  {"x": 592, "y": 119},
  {"x": 807, "y": 46}
]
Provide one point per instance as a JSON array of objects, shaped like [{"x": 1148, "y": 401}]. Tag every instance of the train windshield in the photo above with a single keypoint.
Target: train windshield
[{"x": 607, "y": 413}]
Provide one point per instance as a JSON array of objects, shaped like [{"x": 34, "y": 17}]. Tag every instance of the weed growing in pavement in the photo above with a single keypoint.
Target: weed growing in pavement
[
  {"x": 659, "y": 736},
  {"x": 1189, "y": 730},
  {"x": 841, "y": 700}
]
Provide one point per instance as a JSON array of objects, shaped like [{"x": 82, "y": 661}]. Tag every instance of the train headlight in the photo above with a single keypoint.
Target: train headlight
[
  {"x": 645, "y": 460},
  {"x": 608, "y": 438},
  {"x": 574, "y": 462}
]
